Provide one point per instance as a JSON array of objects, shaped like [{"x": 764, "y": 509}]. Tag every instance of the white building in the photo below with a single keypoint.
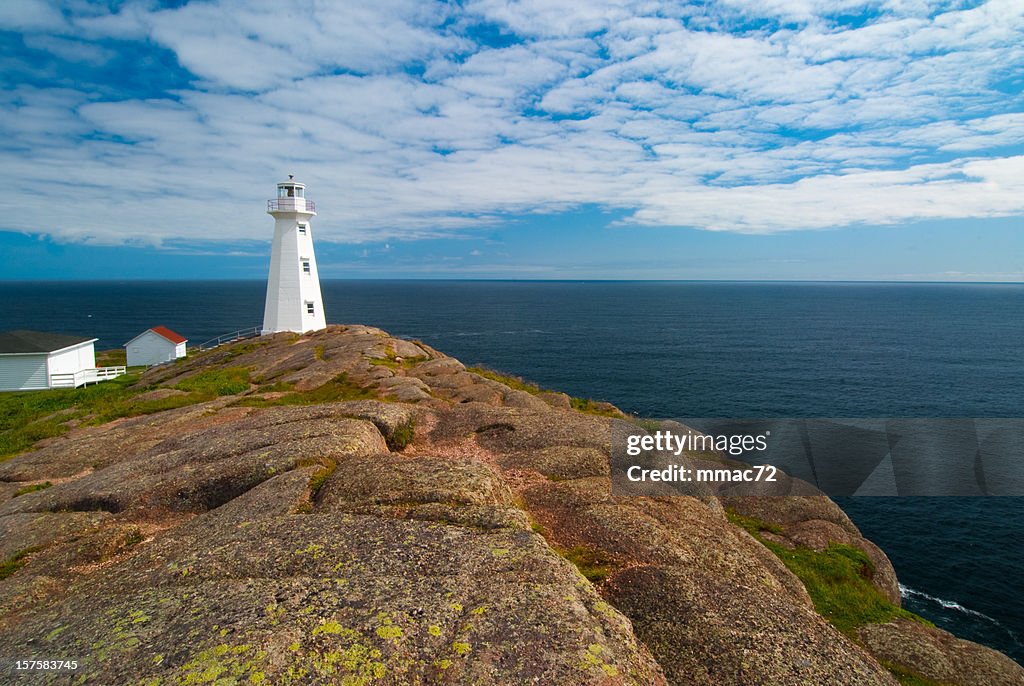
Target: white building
[
  {"x": 32, "y": 360},
  {"x": 155, "y": 346},
  {"x": 294, "y": 302}
]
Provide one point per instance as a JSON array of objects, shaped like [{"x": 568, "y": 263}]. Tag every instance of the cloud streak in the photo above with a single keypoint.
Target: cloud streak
[{"x": 411, "y": 119}]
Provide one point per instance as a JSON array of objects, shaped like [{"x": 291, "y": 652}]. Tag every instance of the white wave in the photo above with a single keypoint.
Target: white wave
[{"x": 907, "y": 592}]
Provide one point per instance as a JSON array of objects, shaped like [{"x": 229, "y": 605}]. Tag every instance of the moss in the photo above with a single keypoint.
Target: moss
[
  {"x": 908, "y": 677},
  {"x": 319, "y": 478},
  {"x": 319, "y": 353},
  {"x": 15, "y": 562},
  {"x": 402, "y": 435},
  {"x": 515, "y": 382},
  {"x": 591, "y": 563},
  {"x": 32, "y": 488}
]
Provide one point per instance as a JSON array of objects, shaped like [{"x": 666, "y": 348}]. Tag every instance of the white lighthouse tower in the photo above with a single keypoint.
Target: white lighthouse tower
[{"x": 294, "y": 302}]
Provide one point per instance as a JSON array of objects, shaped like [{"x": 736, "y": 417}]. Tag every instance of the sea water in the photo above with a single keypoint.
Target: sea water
[{"x": 697, "y": 349}]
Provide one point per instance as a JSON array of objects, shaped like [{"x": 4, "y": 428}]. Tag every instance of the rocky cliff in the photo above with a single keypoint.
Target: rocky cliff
[{"x": 349, "y": 508}]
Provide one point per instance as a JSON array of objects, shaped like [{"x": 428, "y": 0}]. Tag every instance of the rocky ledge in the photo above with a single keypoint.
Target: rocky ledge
[{"x": 345, "y": 507}]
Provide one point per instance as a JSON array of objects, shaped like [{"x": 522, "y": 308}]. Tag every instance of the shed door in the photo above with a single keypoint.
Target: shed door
[{"x": 23, "y": 372}]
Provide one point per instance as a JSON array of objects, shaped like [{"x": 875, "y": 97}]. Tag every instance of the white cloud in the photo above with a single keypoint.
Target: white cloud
[{"x": 405, "y": 125}]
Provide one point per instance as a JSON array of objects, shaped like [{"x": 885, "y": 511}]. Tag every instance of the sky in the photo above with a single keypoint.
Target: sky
[{"x": 547, "y": 139}]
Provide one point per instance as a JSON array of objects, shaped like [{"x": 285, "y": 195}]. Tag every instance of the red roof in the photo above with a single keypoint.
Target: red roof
[{"x": 168, "y": 334}]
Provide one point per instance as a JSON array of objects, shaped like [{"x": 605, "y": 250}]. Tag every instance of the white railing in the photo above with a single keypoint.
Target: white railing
[
  {"x": 291, "y": 205},
  {"x": 251, "y": 332},
  {"x": 85, "y": 376}
]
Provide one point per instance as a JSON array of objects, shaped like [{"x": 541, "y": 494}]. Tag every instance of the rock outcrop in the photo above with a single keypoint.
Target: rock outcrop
[{"x": 369, "y": 511}]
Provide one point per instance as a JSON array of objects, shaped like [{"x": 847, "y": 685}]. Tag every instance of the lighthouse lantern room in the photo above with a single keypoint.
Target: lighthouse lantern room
[{"x": 294, "y": 302}]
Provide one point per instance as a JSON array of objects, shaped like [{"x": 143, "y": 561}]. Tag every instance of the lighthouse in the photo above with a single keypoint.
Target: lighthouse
[{"x": 294, "y": 302}]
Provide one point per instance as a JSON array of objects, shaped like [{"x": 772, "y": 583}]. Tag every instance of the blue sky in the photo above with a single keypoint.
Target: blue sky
[{"x": 737, "y": 139}]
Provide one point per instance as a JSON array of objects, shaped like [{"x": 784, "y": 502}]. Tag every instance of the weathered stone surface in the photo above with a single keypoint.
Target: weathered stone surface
[
  {"x": 939, "y": 655},
  {"x": 370, "y": 512}
]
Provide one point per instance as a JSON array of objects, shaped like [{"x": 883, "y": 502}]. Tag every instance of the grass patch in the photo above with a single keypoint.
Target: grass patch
[
  {"x": 30, "y": 416},
  {"x": 319, "y": 478},
  {"x": 15, "y": 562},
  {"x": 591, "y": 563},
  {"x": 278, "y": 387},
  {"x": 838, "y": 579},
  {"x": 338, "y": 389},
  {"x": 593, "y": 407},
  {"x": 648, "y": 425},
  {"x": 907, "y": 677},
  {"x": 239, "y": 349},
  {"x": 129, "y": 407},
  {"x": 319, "y": 352},
  {"x": 751, "y": 524},
  {"x": 32, "y": 488},
  {"x": 402, "y": 435},
  {"x": 515, "y": 382},
  {"x": 392, "y": 361},
  {"x": 217, "y": 382},
  {"x": 118, "y": 357}
]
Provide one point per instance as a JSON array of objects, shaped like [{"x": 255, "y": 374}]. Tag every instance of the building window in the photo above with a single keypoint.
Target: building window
[
  {"x": 302, "y": 229},
  {"x": 305, "y": 267},
  {"x": 310, "y": 309}
]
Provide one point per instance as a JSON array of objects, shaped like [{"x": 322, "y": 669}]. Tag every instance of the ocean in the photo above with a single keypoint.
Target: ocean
[{"x": 691, "y": 349}]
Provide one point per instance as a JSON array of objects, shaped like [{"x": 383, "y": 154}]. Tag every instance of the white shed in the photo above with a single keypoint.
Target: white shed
[
  {"x": 32, "y": 360},
  {"x": 155, "y": 346}
]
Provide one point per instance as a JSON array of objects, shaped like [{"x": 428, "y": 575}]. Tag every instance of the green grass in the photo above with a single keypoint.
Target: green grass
[
  {"x": 319, "y": 478},
  {"x": 32, "y": 488},
  {"x": 26, "y": 416},
  {"x": 15, "y": 562},
  {"x": 337, "y": 389},
  {"x": 751, "y": 524},
  {"x": 591, "y": 407},
  {"x": 582, "y": 404},
  {"x": 118, "y": 357},
  {"x": 277, "y": 387},
  {"x": 838, "y": 579},
  {"x": 392, "y": 361},
  {"x": 908, "y": 677},
  {"x": 30, "y": 416},
  {"x": 217, "y": 382},
  {"x": 515, "y": 382},
  {"x": 130, "y": 407},
  {"x": 402, "y": 435}
]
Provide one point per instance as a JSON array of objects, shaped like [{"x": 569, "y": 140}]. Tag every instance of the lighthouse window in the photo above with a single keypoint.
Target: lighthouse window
[
  {"x": 302, "y": 229},
  {"x": 309, "y": 307},
  {"x": 299, "y": 192},
  {"x": 305, "y": 266}
]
